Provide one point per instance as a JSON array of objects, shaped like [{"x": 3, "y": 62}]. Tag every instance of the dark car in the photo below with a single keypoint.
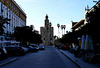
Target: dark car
[
  {"x": 30, "y": 48},
  {"x": 58, "y": 46},
  {"x": 64, "y": 47},
  {"x": 15, "y": 50},
  {"x": 35, "y": 47},
  {"x": 41, "y": 47},
  {"x": 3, "y": 53}
]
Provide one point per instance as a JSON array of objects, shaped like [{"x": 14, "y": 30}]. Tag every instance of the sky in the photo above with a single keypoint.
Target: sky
[{"x": 58, "y": 11}]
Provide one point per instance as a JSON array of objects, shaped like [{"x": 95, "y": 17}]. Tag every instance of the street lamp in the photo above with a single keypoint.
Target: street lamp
[{"x": 58, "y": 25}]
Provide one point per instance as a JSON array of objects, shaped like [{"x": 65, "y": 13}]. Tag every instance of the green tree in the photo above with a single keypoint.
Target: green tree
[
  {"x": 23, "y": 34},
  {"x": 2, "y": 22},
  {"x": 26, "y": 34},
  {"x": 36, "y": 38}
]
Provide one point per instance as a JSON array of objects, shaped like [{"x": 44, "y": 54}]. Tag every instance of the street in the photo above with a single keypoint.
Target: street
[{"x": 48, "y": 58}]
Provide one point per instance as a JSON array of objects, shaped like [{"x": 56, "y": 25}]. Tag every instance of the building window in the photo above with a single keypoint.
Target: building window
[
  {"x": 10, "y": 5},
  {"x": 50, "y": 38},
  {"x": 1, "y": 38},
  {"x": 44, "y": 39},
  {"x": 7, "y": 2},
  {"x": 1, "y": 8}
]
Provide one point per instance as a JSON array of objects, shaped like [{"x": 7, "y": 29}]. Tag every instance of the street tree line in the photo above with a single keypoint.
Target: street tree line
[
  {"x": 26, "y": 35},
  {"x": 92, "y": 28}
]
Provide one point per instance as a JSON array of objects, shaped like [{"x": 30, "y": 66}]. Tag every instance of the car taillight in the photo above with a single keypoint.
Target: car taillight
[
  {"x": 21, "y": 49},
  {"x": 64, "y": 46}
]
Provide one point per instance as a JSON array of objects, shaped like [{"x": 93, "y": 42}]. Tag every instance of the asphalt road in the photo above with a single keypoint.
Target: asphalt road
[{"x": 48, "y": 58}]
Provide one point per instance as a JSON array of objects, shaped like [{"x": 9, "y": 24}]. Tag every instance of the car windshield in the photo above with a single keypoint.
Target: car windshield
[
  {"x": 34, "y": 45},
  {"x": 41, "y": 45}
]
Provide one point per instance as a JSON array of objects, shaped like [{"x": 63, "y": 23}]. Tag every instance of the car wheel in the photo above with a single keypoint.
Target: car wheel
[{"x": 16, "y": 53}]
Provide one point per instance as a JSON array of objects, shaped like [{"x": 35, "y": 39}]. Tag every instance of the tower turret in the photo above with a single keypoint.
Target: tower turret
[
  {"x": 46, "y": 21},
  {"x": 46, "y": 16},
  {"x": 86, "y": 10}
]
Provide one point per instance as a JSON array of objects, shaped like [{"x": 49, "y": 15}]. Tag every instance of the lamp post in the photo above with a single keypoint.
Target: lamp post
[{"x": 58, "y": 25}]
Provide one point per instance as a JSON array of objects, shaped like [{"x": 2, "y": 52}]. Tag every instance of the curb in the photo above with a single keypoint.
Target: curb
[
  {"x": 70, "y": 59},
  {"x": 5, "y": 63}
]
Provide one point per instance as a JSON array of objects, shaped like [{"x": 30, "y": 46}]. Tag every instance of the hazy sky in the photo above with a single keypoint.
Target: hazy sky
[{"x": 59, "y": 11}]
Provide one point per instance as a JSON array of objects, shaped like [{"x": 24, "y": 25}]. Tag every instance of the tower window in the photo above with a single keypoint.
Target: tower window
[
  {"x": 44, "y": 39},
  {"x": 50, "y": 38}
]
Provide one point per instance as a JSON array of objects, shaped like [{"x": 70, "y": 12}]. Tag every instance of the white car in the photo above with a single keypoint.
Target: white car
[
  {"x": 25, "y": 49},
  {"x": 41, "y": 47},
  {"x": 35, "y": 47}
]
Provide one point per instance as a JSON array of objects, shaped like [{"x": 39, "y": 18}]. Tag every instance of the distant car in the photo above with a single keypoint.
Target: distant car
[
  {"x": 30, "y": 48},
  {"x": 64, "y": 47},
  {"x": 15, "y": 50},
  {"x": 58, "y": 46},
  {"x": 3, "y": 53},
  {"x": 41, "y": 47},
  {"x": 35, "y": 47}
]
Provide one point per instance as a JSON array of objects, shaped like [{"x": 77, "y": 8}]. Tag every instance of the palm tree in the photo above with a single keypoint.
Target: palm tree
[
  {"x": 64, "y": 26},
  {"x": 58, "y": 25}
]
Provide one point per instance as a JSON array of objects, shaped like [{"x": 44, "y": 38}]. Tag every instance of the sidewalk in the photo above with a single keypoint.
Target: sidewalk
[
  {"x": 79, "y": 62},
  {"x": 7, "y": 61}
]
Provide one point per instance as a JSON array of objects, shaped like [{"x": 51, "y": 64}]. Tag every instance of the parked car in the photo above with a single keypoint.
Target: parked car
[
  {"x": 15, "y": 50},
  {"x": 64, "y": 47},
  {"x": 25, "y": 49},
  {"x": 30, "y": 48},
  {"x": 35, "y": 47},
  {"x": 3, "y": 53},
  {"x": 58, "y": 46},
  {"x": 41, "y": 47}
]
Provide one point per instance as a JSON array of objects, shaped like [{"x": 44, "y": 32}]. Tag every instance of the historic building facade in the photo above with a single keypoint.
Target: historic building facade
[
  {"x": 47, "y": 32},
  {"x": 88, "y": 27},
  {"x": 9, "y": 9}
]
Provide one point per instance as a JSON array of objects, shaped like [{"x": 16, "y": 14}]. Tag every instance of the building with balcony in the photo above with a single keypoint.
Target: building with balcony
[{"x": 89, "y": 25}]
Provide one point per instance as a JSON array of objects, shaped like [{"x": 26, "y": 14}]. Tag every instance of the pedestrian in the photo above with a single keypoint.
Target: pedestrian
[{"x": 76, "y": 50}]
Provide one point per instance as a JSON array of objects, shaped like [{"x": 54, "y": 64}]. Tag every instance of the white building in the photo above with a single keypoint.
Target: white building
[{"x": 11, "y": 10}]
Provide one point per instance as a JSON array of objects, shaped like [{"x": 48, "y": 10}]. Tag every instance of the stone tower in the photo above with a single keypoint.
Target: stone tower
[
  {"x": 47, "y": 32},
  {"x": 86, "y": 11}
]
